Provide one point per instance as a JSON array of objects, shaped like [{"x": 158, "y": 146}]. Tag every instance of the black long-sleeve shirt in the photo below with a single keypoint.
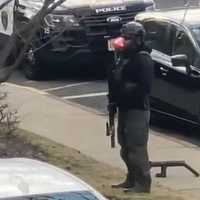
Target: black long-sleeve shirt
[{"x": 134, "y": 87}]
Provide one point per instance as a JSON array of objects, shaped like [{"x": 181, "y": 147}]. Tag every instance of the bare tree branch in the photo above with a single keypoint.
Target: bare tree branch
[
  {"x": 30, "y": 29},
  {"x": 5, "y": 4}
]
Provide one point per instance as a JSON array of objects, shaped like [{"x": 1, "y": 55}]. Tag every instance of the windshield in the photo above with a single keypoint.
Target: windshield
[
  {"x": 196, "y": 33},
  {"x": 37, "y": 4},
  {"x": 82, "y": 195},
  {"x": 90, "y": 2}
]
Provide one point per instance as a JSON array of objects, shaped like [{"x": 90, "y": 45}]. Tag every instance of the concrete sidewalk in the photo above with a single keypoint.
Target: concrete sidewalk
[{"x": 78, "y": 128}]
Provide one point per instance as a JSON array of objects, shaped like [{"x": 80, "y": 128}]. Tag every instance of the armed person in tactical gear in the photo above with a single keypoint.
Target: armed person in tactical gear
[{"x": 131, "y": 81}]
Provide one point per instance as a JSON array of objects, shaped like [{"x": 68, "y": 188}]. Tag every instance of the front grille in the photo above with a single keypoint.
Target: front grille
[
  {"x": 67, "y": 39},
  {"x": 97, "y": 25}
]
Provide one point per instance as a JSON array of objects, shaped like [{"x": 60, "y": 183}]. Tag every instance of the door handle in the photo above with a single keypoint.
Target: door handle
[
  {"x": 164, "y": 71},
  {"x": 195, "y": 73}
]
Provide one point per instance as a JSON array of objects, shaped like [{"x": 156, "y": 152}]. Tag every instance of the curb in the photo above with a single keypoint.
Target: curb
[{"x": 40, "y": 92}]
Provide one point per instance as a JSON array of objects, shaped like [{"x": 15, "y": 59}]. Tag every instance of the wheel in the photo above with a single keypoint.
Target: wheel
[
  {"x": 32, "y": 72},
  {"x": 32, "y": 66}
]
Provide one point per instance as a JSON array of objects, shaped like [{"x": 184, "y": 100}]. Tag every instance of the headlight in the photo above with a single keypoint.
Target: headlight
[{"x": 54, "y": 20}]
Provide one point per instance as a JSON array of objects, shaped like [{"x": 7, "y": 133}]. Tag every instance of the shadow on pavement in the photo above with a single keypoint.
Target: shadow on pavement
[
  {"x": 176, "y": 128},
  {"x": 77, "y": 73}
]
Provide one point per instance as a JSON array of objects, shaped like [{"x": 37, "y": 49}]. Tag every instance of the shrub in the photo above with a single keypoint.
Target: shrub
[{"x": 9, "y": 119}]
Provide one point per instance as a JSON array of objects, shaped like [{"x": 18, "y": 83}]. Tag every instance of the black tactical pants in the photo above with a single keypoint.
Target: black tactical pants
[{"x": 133, "y": 134}]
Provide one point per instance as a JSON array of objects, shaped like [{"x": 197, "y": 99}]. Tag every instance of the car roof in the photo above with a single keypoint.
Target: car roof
[
  {"x": 23, "y": 177},
  {"x": 192, "y": 15}
]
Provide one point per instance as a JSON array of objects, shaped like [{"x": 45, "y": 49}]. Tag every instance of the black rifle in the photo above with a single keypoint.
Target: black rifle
[
  {"x": 119, "y": 63},
  {"x": 112, "y": 106},
  {"x": 110, "y": 125}
]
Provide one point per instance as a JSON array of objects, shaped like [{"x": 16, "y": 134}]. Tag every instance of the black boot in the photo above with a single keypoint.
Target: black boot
[
  {"x": 128, "y": 183},
  {"x": 138, "y": 189},
  {"x": 143, "y": 187}
]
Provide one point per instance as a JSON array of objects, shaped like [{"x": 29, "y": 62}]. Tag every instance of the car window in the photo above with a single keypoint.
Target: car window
[
  {"x": 82, "y": 195},
  {"x": 182, "y": 44},
  {"x": 158, "y": 36},
  {"x": 196, "y": 33}
]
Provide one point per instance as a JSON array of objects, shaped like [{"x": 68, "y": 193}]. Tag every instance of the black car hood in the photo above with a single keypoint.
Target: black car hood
[{"x": 33, "y": 6}]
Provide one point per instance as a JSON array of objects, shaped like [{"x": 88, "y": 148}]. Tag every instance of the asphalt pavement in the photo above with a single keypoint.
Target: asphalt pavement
[{"x": 85, "y": 91}]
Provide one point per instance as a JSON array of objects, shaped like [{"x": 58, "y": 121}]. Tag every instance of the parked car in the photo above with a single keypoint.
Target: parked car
[
  {"x": 81, "y": 29},
  {"x": 174, "y": 36},
  {"x": 23, "y": 179}
]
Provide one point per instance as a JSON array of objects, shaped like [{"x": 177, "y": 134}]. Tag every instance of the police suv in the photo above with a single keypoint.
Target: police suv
[{"x": 84, "y": 29}]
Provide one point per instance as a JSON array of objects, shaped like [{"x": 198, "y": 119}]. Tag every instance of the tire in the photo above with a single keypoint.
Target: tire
[
  {"x": 32, "y": 72},
  {"x": 32, "y": 67}
]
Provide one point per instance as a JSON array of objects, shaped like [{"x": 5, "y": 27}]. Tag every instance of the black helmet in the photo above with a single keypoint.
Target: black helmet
[{"x": 132, "y": 29}]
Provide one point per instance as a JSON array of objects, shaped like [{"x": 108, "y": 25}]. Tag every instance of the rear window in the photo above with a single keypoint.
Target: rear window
[
  {"x": 196, "y": 33},
  {"x": 82, "y": 195}
]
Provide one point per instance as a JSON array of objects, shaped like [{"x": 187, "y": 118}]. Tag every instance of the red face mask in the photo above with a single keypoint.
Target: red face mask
[{"x": 119, "y": 44}]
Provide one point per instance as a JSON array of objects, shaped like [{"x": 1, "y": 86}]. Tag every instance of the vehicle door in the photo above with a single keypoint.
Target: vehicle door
[
  {"x": 184, "y": 98},
  {"x": 6, "y": 20},
  {"x": 158, "y": 38}
]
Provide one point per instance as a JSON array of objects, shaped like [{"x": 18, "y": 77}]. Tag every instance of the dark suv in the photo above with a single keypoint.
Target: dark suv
[
  {"x": 81, "y": 29},
  {"x": 174, "y": 36}
]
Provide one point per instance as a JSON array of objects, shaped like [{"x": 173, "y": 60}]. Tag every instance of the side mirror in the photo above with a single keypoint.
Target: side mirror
[
  {"x": 180, "y": 35},
  {"x": 181, "y": 60}
]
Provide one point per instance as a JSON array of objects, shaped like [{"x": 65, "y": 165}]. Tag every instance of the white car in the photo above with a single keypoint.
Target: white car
[{"x": 28, "y": 179}]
